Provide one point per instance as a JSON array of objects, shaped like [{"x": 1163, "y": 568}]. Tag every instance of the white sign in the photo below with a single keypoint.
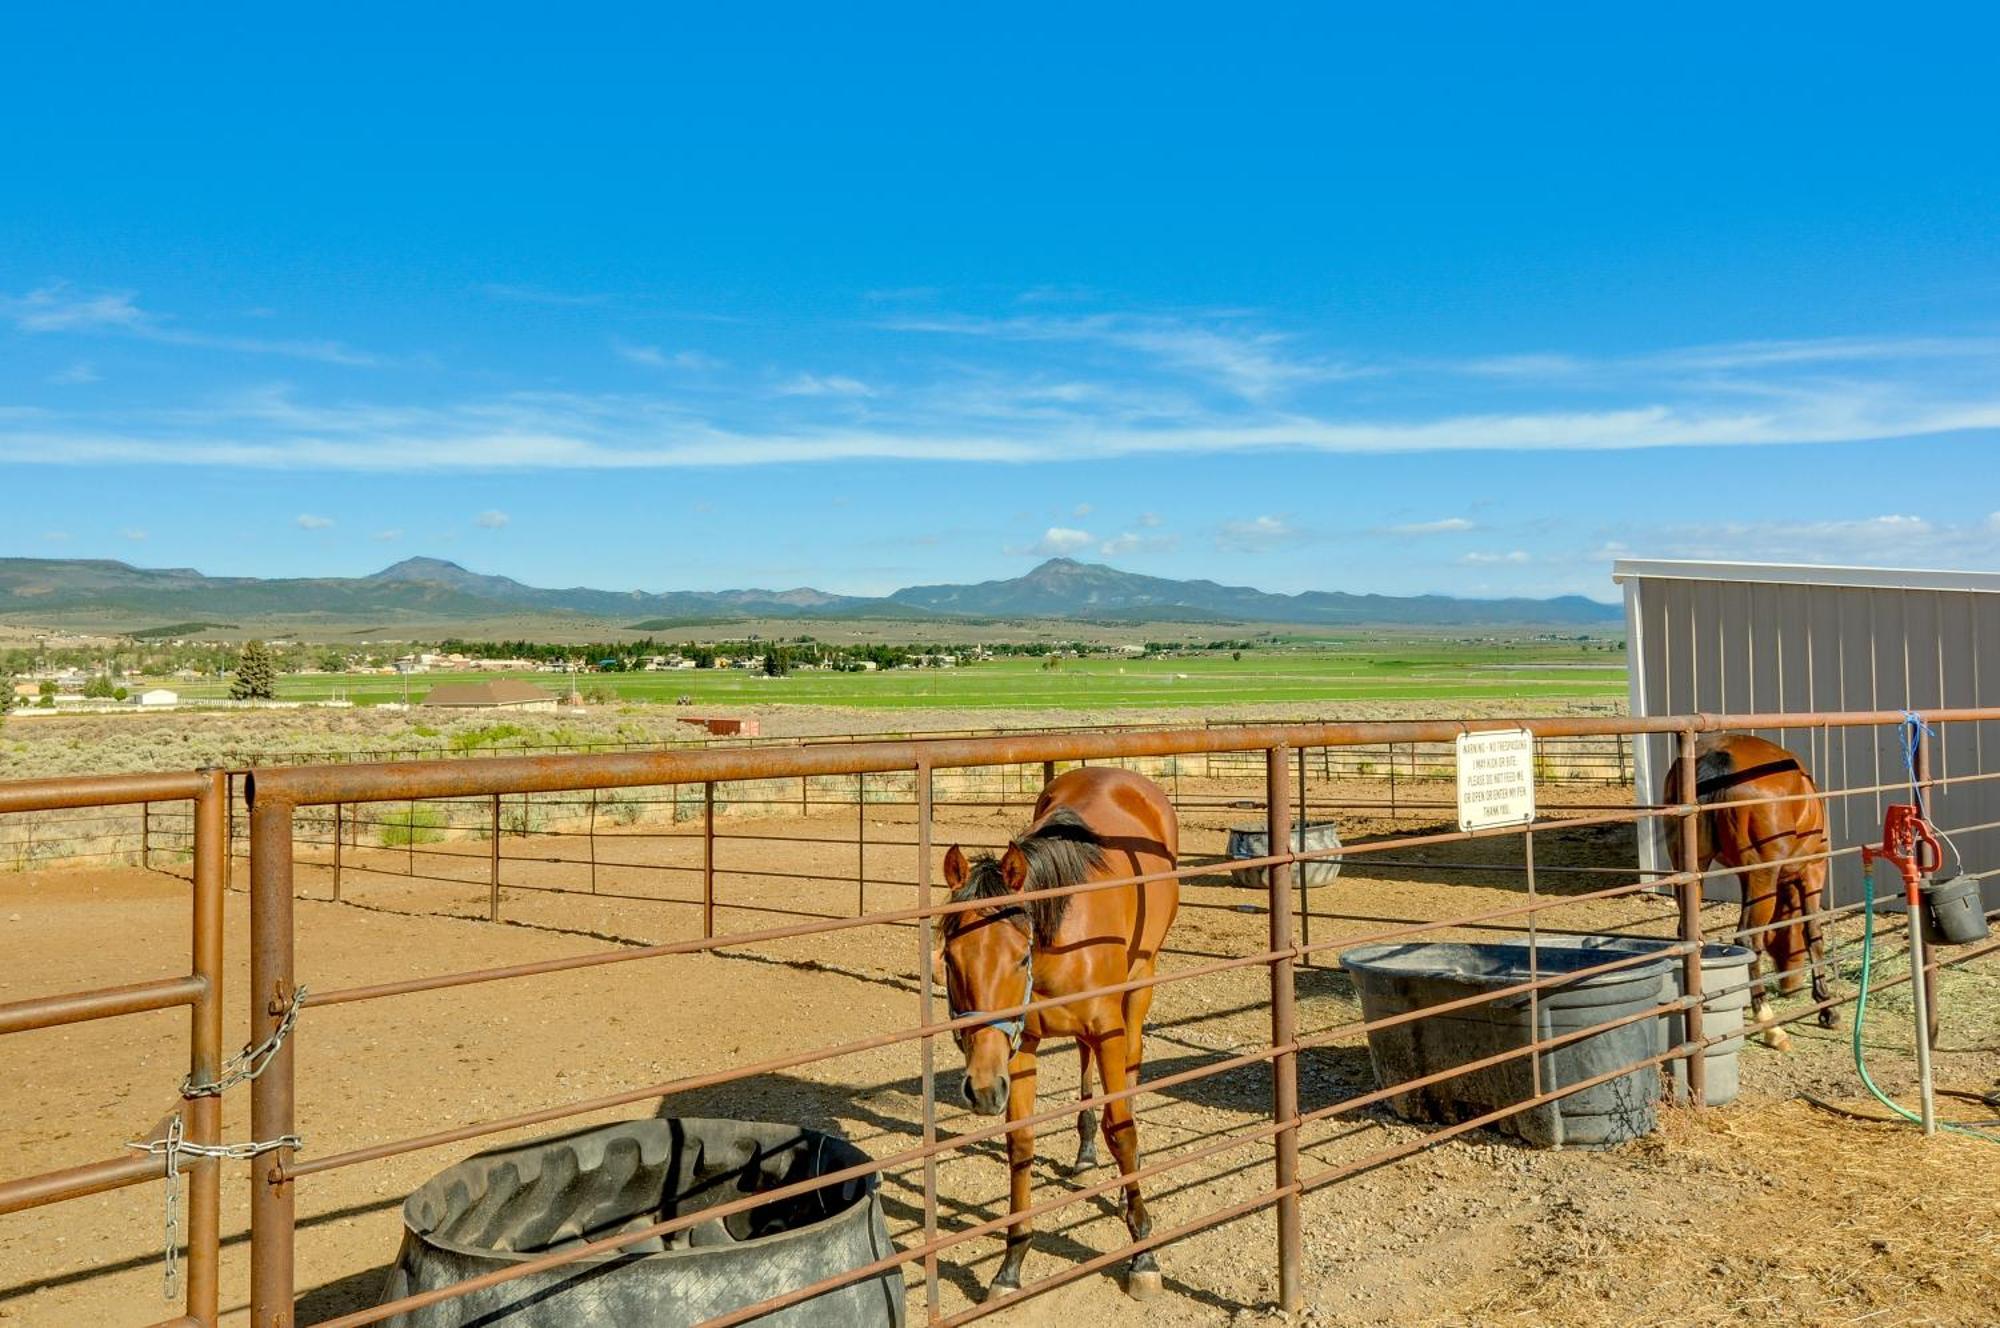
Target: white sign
[{"x": 1496, "y": 779}]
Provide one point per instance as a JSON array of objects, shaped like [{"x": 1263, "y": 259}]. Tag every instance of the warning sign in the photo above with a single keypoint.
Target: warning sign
[{"x": 1496, "y": 779}]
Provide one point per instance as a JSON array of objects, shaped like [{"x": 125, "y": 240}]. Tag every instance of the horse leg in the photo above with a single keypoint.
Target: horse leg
[
  {"x": 1086, "y": 1119},
  {"x": 1020, "y": 1169},
  {"x": 1812, "y": 898},
  {"x": 1121, "y": 1131},
  {"x": 1760, "y": 904}
]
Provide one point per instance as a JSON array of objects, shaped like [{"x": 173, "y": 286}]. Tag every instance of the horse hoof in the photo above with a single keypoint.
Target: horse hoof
[
  {"x": 1143, "y": 1283},
  {"x": 999, "y": 1289},
  {"x": 1827, "y": 1019},
  {"x": 1777, "y": 1039},
  {"x": 1084, "y": 1162}
]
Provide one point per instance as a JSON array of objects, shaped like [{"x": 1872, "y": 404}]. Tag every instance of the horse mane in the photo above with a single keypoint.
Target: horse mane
[{"x": 1061, "y": 851}]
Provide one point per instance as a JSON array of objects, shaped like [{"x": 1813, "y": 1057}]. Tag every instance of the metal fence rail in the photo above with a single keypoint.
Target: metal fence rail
[
  {"x": 310, "y": 818},
  {"x": 277, "y": 797}
]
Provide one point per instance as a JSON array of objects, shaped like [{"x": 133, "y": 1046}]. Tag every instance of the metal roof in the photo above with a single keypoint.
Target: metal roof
[
  {"x": 1795, "y": 574},
  {"x": 502, "y": 692}
]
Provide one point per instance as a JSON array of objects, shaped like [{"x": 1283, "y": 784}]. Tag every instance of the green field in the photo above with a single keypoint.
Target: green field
[{"x": 1427, "y": 671}]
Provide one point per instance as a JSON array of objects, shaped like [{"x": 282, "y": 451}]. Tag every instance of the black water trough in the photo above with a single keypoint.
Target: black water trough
[
  {"x": 507, "y": 1206},
  {"x": 1396, "y": 979}
]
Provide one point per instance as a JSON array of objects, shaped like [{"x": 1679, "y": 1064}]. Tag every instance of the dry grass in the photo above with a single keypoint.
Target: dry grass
[{"x": 1904, "y": 1234}]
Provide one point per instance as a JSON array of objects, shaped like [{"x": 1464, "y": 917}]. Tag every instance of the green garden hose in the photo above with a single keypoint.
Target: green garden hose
[{"x": 1861, "y": 1015}]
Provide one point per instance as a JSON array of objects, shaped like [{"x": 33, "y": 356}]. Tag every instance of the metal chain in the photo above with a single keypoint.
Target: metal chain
[
  {"x": 236, "y": 1152},
  {"x": 247, "y": 1064},
  {"x": 173, "y": 1148}
]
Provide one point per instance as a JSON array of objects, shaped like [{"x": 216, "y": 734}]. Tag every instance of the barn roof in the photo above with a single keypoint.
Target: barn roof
[{"x": 499, "y": 692}]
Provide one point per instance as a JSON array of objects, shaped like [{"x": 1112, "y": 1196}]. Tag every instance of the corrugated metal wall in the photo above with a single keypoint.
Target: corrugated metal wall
[{"x": 1738, "y": 646}]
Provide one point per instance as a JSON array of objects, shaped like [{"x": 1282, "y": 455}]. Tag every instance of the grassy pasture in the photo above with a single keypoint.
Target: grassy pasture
[{"x": 1377, "y": 671}]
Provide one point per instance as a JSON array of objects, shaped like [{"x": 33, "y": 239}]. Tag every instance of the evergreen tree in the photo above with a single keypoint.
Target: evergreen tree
[{"x": 256, "y": 674}]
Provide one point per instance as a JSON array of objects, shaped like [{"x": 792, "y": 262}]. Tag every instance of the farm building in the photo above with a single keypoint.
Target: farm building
[
  {"x": 159, "y": 696},
  {"x": 1765, "y": 638},
  {"x": 500, "y": 694}
]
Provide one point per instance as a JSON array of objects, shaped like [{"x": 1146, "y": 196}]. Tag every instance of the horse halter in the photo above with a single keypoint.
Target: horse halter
[{"x": 1012, "y": 1025}]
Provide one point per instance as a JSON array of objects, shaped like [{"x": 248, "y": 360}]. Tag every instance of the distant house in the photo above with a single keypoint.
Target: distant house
[
  {"x": 159, "y": 696},
  {"x": 500, "y": 694}
]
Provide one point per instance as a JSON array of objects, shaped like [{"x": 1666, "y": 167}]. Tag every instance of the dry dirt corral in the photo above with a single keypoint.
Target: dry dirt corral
[{"x": 1769, "y": 1211}]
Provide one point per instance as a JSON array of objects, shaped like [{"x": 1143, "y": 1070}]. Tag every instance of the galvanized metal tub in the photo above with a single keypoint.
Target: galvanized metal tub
[
  {"x": 1254, "y": 841},
  {"x": 1397, "y": 979},
  {"x": 507, "y": 1206},
  {"x": 1725, "y": 995}
]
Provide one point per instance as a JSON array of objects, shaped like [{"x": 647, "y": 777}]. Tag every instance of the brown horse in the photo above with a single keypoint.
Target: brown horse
[
  {"x": 1090, "y": 825},
  {"x": 1736, "y": 775}
]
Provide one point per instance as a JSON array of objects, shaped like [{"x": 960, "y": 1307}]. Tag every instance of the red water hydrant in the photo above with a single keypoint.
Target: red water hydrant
[{"x": 1909, "y": 844}]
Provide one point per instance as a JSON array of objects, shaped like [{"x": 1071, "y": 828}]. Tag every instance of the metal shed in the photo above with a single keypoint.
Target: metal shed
[{"x": 1759, "y": 637}]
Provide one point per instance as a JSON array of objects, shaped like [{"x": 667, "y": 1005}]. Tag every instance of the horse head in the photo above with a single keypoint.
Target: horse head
[{"x": 989, "y": 966}]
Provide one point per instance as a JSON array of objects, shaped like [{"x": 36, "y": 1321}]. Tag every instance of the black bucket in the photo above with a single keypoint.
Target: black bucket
[{"x": 1953, "y": 912}]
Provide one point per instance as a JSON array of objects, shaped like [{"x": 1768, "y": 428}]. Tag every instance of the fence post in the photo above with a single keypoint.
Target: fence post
[
  {"x": 1392, "y": 781},
  {"x": 271, "y": 1093},
  {"x": 1048, "y": 775},
  {"x": 927, "y": 981},
  {"x": 229, "y": 835},
  {"x": 1690, "y": 899},
  {"x": 1305, "y": 899},
  {"x": 1284, "y": 1029},
  {"x": 493, "y": 874},
  {"x": 336, "y": 853},
  {"x": 708, "y": 860},
  {"x": 860, "y": 845},
  {"x": 146, "y": 835},
  {"x": 591, "y": 836},
  {"x": 203, "y": 1115},
  {"x": 1921, "y": 770}
]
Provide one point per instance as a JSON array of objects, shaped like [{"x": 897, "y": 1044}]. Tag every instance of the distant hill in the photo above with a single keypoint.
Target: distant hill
[
  {"x": 1064, "y": 588},
  {"x": 433, "y": 590}
]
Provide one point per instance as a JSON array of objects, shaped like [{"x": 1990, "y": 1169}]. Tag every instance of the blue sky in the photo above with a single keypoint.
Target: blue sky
[{"x": 1436, "y": 298}]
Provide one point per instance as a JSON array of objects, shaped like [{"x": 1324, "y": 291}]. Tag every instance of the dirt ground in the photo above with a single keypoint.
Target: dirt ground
[{"x": 1768, "y": 1211}]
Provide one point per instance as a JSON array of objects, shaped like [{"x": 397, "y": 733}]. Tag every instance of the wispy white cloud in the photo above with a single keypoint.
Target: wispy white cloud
[
  {"x": 1484, "y": 559},
  {"x": 654, "y": 357},
  {"x": 1130, "y": 542},
  {"x": 76, "y": 375},
  {"x": 60, "y": 308},
  {"x": 824, "y": 385},
  {"x": 307, "y": 521},
  {"x": 1824, "y": 350},
  {"x": 1056, "y": 542},
  {"x": 491, "y": 519},
  {"x": 1151, "y": 519},
  {"x": 388, "y": 536},
  {"x": 1081, "y": 510},
  {"x": 135, "y": 534},
  {"x": 1056, "y": 294},
  {"x": 502, "y": 290},
  {"x": 1253, "y": 364},
  {"x": 1256, "y": 535},
  {"x": 1446, "y": 526}
]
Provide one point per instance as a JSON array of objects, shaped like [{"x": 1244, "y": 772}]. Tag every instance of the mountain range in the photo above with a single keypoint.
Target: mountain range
[{"x": 48, "y": 590}]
